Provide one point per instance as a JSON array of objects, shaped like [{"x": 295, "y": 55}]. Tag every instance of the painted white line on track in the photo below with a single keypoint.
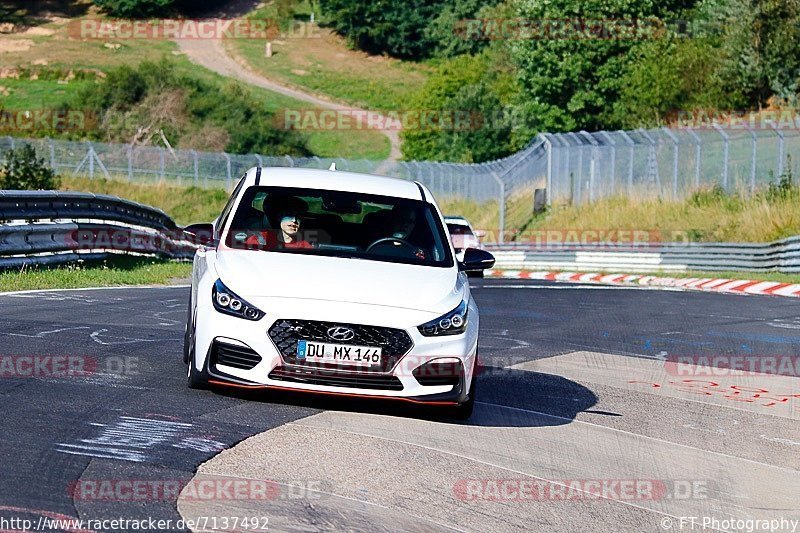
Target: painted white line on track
[
  {"x": 114, "y": 287},
  {"x": 581, "y": 287},
  {"x": 638, "y": 435},
  {"x": 500, "y": 467}
]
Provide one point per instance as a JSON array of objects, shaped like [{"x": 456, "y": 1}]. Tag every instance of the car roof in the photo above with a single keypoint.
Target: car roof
[
  {"x": 334, "y": 181},
  {"x": 456, "y": 220}
]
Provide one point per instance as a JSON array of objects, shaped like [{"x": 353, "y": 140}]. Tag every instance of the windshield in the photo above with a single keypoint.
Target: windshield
[
  {"x": 458, "y": 229},
  {"x": 339, "y": 224}
]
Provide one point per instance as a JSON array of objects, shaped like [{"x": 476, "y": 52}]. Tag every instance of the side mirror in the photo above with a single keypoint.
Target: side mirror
[
  {"x": 475, "y": 259},
  {"x": 200, "y": 234}
]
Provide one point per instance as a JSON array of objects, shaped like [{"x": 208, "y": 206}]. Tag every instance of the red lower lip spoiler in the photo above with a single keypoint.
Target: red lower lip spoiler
[{"x": 340, "y": 394}]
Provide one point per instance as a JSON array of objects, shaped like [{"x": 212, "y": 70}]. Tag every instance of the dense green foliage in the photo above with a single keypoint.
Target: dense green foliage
[
  {"x": 686, "y": 56},
  {"x": 135, "y": 8},
  {"x": 155, "y": 8},
  {"x": 23, "y": 170},
  {"x": 410, "y": 29},
  {"x": 142, "y": 103}
]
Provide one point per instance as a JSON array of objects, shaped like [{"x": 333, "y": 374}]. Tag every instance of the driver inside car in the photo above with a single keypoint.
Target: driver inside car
[
  {"x": 402, "y": 223},
  {"x": 289, "y": 234}
]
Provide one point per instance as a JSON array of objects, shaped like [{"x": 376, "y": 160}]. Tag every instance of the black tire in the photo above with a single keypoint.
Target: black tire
[
  {"x": 464, "y": 410},
  {"x": 187, "y": 340},
  {"x": 195, "y": 379}
]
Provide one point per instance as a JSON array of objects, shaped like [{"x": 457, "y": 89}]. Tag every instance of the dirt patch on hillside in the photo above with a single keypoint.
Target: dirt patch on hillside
[{"x": 15, "y": 45}]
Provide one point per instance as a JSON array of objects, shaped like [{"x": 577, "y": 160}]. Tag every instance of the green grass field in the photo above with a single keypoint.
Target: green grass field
[
  {"x": 51, "y": 49},
  {"x": 316, "y": 59},
  {"x": 113, "y": 272},
  {"x": 185, "y": 205}
]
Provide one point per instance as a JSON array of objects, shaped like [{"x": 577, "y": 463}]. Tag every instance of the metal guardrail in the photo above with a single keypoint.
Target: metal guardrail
[
  {"x": 51, "y": 227},
  {"x": 575, "y": 168},
  {"x": 780, "y": 256}
]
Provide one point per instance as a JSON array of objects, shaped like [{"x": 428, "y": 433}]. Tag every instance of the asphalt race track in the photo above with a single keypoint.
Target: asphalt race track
[{"x": 578, "y": 396}]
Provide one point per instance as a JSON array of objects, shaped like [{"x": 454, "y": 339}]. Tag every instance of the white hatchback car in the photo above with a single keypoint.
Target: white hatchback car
[
  {"x": 334, "y": 283},
  {"x": 463, "y": 237}
]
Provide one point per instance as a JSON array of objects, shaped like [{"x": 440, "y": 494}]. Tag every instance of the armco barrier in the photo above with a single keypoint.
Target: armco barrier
[
  {"x": 53, "y": 227},
  {"x": 779, "y": 256}
]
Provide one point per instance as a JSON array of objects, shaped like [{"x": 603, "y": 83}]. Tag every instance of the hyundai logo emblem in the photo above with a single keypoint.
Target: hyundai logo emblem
[{"x": 341, "y": 333}]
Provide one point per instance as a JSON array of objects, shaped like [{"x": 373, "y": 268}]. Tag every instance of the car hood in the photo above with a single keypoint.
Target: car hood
[{"x": 288, "y": 275}]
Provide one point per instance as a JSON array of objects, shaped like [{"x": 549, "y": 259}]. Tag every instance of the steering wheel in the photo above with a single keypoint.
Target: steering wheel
[{"x": 404, "y": 243}]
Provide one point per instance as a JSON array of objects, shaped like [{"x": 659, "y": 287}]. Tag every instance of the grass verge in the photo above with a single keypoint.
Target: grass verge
[
  {"x": 185, "y": 205},
  {"x": 754, "y": 276},
  {"x": 113, "y": 272},
  {"x": 706, "y": 216}
]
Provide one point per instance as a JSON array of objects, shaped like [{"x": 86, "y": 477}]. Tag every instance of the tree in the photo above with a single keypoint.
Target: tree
[
  {"x": 572, "y": 79},
  {"x": 470, "y": 95},
  {"x": 669, "y": 76},
  {"x": 758, "y": 45},
  {"x": 383, "y": 26},
  {"x": 448, "y": 31},
  {"x": 135, "y": 8},
  {"x": 23, "y": 170}
]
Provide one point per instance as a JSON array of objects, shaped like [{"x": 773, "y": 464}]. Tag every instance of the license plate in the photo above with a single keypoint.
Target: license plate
[{"x": 323, "y": 352}]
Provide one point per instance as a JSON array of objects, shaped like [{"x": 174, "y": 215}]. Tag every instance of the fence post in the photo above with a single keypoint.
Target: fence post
[
  {"x": 549, "y": 147},
  {"x": 726, "y": 147},
  {"x": 196, "y": 165},
  {"x": 291, "y": 161},
  {"x": 579, "y": 148},
  {"x": 260, "y": 161},
  {"x": 652, "y": 158},
  {"x": 502, "y": 198},
  {"x": 90, "y": 155},
  {"x": 754, "y": 140},
  {"x": 631, "y": 148},
  {"x": 130, "y": 162},
  {"x": 697, "y": 148},
  {"x": 613, "y": 160},
  {"x": 675, "y": 148},
  {"x": 592, "y": 164},
  {"x": 52, "y": 150},
  {"x": 779, "y": 170},
  {"x": 161, "y": 162},
  {"x": 228, "y": 177}
]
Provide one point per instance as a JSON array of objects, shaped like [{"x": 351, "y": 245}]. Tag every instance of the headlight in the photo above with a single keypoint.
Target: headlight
[
  {"x": 226, "y": 301},
  {"x": 452, "y": 323}
]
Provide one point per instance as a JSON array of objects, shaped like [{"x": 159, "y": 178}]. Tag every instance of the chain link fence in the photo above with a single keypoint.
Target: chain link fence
[{"x": 575, "y": 168}]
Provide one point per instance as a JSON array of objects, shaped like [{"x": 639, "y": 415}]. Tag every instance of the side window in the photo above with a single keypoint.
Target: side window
[{"x": 226, "y": 212}]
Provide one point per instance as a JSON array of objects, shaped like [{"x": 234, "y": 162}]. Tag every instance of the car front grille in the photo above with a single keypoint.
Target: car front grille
[
  {"x": 235, "y": 356},
  {"x": 317, "y": 376},
  {"x": 394, "y": 343}
]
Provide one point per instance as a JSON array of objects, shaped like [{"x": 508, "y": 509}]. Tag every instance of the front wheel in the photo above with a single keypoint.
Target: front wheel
[
  {"x": 194, "y": 378},
  {"x": 464, "y": 410}
]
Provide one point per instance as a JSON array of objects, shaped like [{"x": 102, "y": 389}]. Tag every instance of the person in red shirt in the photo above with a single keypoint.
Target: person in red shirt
[{"x": 288, "y": 236}]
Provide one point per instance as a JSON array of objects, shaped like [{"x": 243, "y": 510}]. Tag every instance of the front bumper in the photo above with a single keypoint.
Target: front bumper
[{"x": 269, "y": 368}]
